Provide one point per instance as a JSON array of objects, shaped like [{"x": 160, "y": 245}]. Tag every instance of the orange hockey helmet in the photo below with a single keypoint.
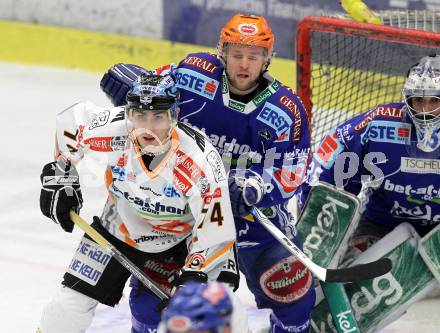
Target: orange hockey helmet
[{"x": 247, "y": 30}]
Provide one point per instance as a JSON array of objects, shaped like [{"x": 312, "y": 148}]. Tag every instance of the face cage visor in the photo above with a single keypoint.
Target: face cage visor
[{"x": 136, "y": 132}]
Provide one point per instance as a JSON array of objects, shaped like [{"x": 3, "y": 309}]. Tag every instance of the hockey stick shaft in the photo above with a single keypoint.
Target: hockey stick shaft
[
  {"x": 121, "y": 258},
  {"x": 350, "y": 274}
]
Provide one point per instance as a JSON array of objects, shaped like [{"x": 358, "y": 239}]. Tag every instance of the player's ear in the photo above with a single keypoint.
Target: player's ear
[{"x": 177, "y": 111}]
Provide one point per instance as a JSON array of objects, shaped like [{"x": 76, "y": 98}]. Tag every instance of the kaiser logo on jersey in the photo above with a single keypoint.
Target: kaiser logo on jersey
[
  {"x": 277, "y": 119},
  {"x": 99, "y": 143},
  {"x": 248, "y": 29},
  {"x": 197, "y": 83},
  {"x": 286, "y": 281},
  {"x": 187, "y": 166}
]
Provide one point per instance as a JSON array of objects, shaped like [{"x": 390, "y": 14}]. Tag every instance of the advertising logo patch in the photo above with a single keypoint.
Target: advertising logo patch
[
  {"x": 99, "y": 143},
  {"x": 328, "y": 150},
  {"x": 188, "y": 167},
  {"x": 291, "y": 105},
  {"x": 380, "y": 111},
  {"x": 118, "y": 143},
  {"x": 419, "y": 165},
  {"x": 197, "y": 260},
  {"x": 89, "y": 261},
  {"x": 286, "y": 281},
  {"x": 248, "y": 29},
  {"x": 391, "y": 132},
  {"x": 170, "y": 191},
  {"x": 200, "y": 63},
  {"x": 196, "y": 83},
  {"x": 99, "y": 119},
  {"x": 216, "y": 163},
  {"x": 277, "y": 119}
]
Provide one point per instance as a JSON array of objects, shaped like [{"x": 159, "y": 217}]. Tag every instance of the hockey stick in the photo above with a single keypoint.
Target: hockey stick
[
  {"x": 350, "y": 274},
  {"x": 123, "y": 260}
]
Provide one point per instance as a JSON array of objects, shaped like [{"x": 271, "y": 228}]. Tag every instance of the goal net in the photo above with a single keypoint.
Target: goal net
[{"x": 345, "y": 67}]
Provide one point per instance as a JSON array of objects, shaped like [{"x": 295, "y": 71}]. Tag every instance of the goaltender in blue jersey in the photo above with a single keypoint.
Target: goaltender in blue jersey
[
  {"x": 390, "y": 156},
  {"x": 261, "y": 130}
]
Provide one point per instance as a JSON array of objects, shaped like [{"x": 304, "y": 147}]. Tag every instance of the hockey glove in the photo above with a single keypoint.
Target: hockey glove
[
  {"x": 60, "y": 193},
  {"x": 246, "y": 189},
  {"x": 118, "y": 81},
  {"x": 178, "y": 280}
]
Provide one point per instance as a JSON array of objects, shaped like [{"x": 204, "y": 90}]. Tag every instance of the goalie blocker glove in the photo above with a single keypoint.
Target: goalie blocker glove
[
  {"x": 60, "y": 193},
  {"x": 118, "y": 81}
]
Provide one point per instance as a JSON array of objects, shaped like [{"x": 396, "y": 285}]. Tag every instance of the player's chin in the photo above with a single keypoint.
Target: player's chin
[{"x": 243, "y": 83}]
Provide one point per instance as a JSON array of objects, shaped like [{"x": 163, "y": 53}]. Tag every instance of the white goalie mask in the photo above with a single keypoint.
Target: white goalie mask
[{"x": 422, "y": 98}]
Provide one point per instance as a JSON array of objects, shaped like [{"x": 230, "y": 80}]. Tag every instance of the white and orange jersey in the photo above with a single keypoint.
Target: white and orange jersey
[{"x": 184, "y": 197}]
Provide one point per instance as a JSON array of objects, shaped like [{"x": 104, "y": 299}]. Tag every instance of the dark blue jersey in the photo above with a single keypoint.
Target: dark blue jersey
[
  {"x": 272, "y": 129},
  {"x": 378, "y": 148}
]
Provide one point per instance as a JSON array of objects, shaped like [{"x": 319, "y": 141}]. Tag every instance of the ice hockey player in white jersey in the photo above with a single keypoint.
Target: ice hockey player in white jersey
[
  {"x": 201, "y": 308},
  {"x": 171, "y": 195}
]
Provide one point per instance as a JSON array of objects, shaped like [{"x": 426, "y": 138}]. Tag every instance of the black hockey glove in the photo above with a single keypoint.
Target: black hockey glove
[
  {"x": 118, "y": 81},
  {"x": 60, "y": 193},
  {"x": 178, "y": 281}
]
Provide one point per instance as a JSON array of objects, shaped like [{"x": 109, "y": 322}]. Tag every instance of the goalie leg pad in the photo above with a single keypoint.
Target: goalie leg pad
[
  {"x": 429, "y": 250},
  {"x": 381, "y": 300},
  {"x": 365, "y": 235},
  {"x": 68, "y": 312}
]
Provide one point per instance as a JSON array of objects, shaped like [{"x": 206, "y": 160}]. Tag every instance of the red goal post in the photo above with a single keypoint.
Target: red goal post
[{"x": 345, "y": 67}]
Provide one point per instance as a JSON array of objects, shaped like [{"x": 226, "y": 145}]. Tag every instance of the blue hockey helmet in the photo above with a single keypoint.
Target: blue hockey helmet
[
  {"x": 153, "y": 92},
  {"x": 157, "y": 94},
  {"x": 198, "y": 307}
]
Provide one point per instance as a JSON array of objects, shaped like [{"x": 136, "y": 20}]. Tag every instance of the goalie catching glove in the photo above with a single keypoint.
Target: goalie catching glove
[
  {"x": 246, "y": 189},
  {"x": 60, "y": 193}
]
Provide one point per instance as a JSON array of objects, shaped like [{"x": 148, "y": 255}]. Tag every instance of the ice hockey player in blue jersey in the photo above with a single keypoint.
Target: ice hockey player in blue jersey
[
  {"x": 390, "y": 156},
  {"x": 199, "y": 307},
  {"x": 261, "y": 130}
]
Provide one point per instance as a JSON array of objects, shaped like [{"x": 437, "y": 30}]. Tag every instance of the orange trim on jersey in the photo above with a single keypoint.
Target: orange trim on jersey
[
  {"x": 175, "y": 142},
  {"x": 175, "y": 227},
  {"x": 219, "y": 253},
  {"x": 108, "y": 179},
  {"x": 123, "y": 229}
]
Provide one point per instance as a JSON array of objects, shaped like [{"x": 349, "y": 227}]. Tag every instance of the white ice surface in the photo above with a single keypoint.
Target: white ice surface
[{"x": 34, "y": 251}]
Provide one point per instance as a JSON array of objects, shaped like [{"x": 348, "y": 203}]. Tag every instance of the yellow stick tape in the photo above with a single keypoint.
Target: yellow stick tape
[
  {"x": 89, "y": 230},
  {"x": 96, "y": 51}
]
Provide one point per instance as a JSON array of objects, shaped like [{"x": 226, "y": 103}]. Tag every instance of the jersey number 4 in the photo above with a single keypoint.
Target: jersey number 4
[{"x": 216, "y": 215}]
